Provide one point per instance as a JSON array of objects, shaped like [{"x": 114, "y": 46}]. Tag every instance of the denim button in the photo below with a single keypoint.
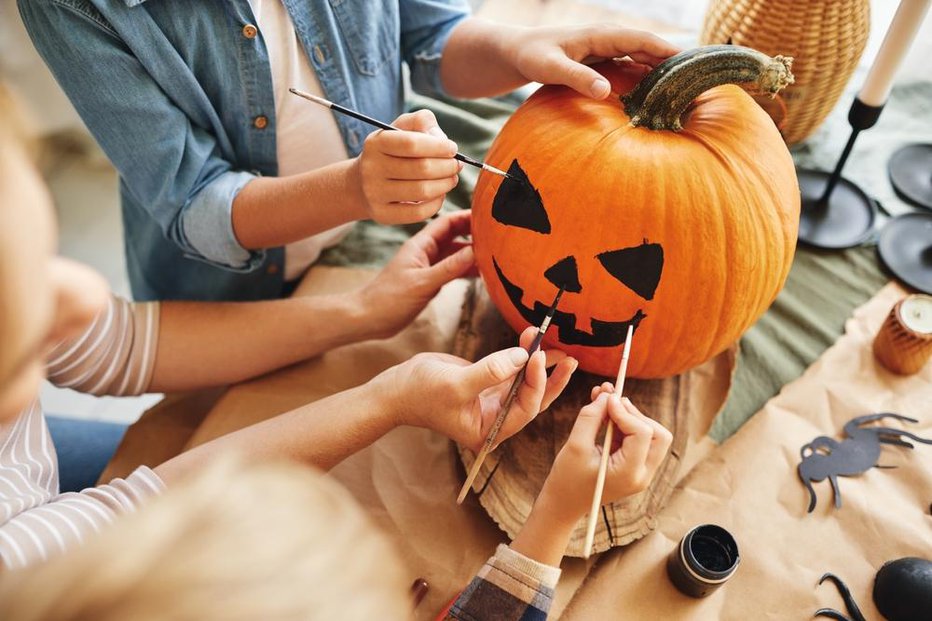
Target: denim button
[
  {"x": 354, "y": 138},
  {"x": 319, "y": 55},
  {"x": 250, "y": 31},
  {"x": 272, "y": 269},
  {"x": 260, "y": 122}
]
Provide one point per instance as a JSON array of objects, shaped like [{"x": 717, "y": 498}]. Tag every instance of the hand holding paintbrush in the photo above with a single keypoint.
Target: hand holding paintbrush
[
  {"x": 489, "y": 444},
  {"x": 405, "y": 171},
  {"x": 567, "y": 495},
  {"x": 644, "y": 446}
]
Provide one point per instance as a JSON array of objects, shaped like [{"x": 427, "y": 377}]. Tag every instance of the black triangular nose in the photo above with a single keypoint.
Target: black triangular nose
[{"x": 563, "y": 273}]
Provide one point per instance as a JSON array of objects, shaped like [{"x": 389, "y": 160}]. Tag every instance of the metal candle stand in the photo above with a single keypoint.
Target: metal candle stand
[
  {"x": 905, "y": 245},
  {"x": 836, "y": 213},
  {"x": 910, "y": 171}
]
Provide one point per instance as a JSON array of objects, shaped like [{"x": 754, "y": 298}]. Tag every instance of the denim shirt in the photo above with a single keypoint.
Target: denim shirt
[{"x": 179, "y": 95}]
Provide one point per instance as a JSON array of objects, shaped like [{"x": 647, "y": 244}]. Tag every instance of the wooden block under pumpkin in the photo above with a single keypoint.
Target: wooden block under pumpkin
[{"x": 512, "y": 476}]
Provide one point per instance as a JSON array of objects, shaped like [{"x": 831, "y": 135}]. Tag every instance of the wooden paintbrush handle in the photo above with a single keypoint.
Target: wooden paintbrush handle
[
  {"x": 506, "y": 407},
  {"x": 599, "y": 487},
  {"x": 473, "y": 473},
  {"x": 493, "y": 434},
  {"x": 606, "y": 449}
]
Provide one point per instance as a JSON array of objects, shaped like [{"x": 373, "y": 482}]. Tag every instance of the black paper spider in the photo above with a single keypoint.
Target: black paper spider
[{"x": 827, "y": 458}]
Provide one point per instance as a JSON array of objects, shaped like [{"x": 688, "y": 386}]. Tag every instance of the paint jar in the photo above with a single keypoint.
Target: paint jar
[{"x": 705, "y": 558}]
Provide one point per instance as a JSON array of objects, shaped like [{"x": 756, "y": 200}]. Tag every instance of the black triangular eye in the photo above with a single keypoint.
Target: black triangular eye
[
  {"x": 637, "y": 268},
  {"x": 564, "y": 274},
  {"x": 518, "y": 203}
]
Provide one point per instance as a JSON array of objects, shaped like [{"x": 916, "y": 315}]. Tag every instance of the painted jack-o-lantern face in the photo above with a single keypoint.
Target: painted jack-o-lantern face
[
  {"x": 518, "y": 204},
  {"x": 609, "y": 280},
  {"x": 686, "y": 235}
]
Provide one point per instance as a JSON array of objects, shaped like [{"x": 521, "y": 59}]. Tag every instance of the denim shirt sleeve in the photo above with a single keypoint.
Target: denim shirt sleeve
[
  {"x": 426, "y": 25},
  {"x": 166, "y": 163}
]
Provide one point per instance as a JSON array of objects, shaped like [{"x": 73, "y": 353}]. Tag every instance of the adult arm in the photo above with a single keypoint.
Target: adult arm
[
  {"x": 327, "y": 431},
  {"x": 208, "y": 344},
  {"x": 174, "y": 346}
]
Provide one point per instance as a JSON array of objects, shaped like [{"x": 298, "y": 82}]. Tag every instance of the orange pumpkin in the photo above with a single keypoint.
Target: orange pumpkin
[{"x": 686, "y": 232}]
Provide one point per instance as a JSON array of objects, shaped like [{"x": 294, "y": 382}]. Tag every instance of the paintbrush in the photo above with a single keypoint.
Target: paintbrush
[
  {"x": 606, "y": 449},
  {"x": 512, "y": 393},
  {"x": 371, "y": 121}
]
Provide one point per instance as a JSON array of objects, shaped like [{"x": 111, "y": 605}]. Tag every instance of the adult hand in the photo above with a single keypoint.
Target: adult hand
[
  {"x": 423, "y": 264},
  {"x": 405, "y": 175},
  {"x": 560, "y": 55},
  {"x": 461, "y": 400},
  {"x": 639, "y": 450}
]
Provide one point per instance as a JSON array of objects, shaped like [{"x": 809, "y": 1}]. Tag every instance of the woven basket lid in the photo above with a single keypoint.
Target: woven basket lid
[{"x": 513, "y": 475}]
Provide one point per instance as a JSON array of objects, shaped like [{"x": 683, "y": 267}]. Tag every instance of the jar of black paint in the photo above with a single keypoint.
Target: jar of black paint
[{"x": 705, "y": 558}]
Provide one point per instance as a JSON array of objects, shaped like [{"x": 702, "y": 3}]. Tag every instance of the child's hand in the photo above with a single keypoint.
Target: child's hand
[
  {"x": 560, "y": 55},
  {"x": 631, "y": 467},
  {"x": 567, "y": 492},
  {"x": 405, "y": 175}
]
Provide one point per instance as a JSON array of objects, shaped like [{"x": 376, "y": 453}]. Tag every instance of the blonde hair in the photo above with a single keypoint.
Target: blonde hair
[{"x": 267, "y": 542}]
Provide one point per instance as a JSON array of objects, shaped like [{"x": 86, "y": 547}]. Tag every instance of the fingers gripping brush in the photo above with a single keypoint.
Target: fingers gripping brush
[{"x": 489, "y": 443}]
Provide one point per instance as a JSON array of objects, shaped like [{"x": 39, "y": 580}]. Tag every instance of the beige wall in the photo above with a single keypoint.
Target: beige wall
[{"x": 27, "y": 74}]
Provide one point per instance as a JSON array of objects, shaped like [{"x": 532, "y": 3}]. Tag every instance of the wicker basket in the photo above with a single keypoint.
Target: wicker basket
[{"x": 825, "y": 38}]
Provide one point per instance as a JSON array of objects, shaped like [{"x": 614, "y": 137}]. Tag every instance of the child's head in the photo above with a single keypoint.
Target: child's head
[
  {"x": 43, "y": 298},
  {"x": 269, "y": 542}
]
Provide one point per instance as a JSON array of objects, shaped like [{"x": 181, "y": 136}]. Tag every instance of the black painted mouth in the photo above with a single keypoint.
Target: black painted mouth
[{"x": 604, "y": 333}]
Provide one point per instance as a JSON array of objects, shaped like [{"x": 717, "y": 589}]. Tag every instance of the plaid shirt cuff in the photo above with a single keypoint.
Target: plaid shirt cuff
[{"x": 510, "y": 586}]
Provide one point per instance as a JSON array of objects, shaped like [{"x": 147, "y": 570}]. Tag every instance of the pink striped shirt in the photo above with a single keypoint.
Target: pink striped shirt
[{"x": 114, "y": 356}]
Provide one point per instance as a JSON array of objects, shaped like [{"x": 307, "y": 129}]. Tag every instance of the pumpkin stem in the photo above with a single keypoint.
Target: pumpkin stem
[{"x": 663, "y": 96}]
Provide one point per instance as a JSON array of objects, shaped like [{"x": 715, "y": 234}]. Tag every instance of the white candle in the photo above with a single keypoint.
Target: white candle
[
  {"x": 916, "y": 313},
  {"x": 896, "y": 42}
]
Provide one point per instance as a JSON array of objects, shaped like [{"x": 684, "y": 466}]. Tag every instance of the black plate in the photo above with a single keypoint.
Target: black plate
[
  {"x": 847, "y": 220},
  {"x": 905, "y": 247},
  {"x": 910, "y": 171}
]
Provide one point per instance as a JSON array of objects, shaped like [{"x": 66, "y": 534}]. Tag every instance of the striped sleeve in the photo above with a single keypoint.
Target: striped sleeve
[
  {"x": 66, "y": 520},
  {"x": 509, "y": 587},
  {"x": 114, "y": 356}
]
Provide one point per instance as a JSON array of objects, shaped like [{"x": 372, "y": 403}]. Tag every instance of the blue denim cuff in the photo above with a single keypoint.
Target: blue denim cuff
[
  {"x": 425, "y": 70},
  {"x": 207, "y": 225}
]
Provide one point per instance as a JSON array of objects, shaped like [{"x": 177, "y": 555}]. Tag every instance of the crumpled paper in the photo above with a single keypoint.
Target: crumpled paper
[{"x": 749, "y": 485}]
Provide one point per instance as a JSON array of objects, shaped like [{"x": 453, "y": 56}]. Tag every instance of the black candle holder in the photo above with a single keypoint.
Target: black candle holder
[
  {"x": 910, "y": 171},
  {"x": 905, "y": 248},
  {"x": 905, "y": 244},
  {"x": 836, "y": 213}
]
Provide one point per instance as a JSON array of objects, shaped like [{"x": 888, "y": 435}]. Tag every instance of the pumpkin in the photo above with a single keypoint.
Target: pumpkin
[{"x": 674, "y": 209}]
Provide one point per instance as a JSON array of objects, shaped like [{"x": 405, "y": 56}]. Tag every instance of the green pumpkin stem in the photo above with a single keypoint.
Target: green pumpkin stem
[{"x": 663, "y": 96}]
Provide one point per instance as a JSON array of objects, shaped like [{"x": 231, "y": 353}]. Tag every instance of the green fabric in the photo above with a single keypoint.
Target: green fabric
[
  {"x": 822, "y": 289},
  {"x": 806, "y": 318}
]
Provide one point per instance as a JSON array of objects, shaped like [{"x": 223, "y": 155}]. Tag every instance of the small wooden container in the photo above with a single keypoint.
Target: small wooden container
[{"x": 904, "y": 343}]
